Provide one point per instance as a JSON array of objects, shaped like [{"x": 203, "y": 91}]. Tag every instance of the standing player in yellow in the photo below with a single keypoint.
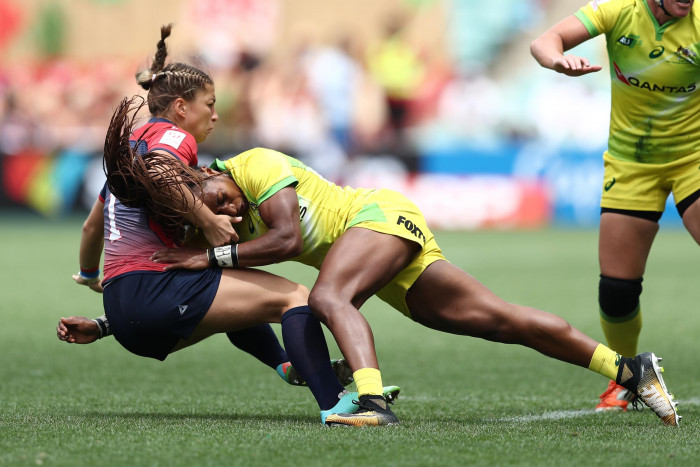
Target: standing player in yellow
[
  {"x": 653, "y": 145},
  {"x": 367, "y": 242}
]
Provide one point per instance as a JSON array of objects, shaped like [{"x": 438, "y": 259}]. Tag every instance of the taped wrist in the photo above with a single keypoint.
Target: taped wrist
[
  {"x": 103, "y": 326},
  {"x": 223, "y": 256}
]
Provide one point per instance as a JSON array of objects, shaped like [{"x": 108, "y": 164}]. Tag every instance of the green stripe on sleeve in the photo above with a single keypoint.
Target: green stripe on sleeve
[
  {"x": 592, "y": 30},
  {"x": 285, "y": 182},
  {"x": 370, "y": 212}
]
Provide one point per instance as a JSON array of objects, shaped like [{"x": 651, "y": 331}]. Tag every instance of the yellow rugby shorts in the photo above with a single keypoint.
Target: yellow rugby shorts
[
  {"x": 391, "y": 213},
  {"x": 645, "y": 187}
]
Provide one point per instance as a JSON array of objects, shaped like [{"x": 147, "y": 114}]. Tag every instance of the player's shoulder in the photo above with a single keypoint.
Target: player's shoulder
[
  {"x": 611, "y": 6},
  {"x": 259, "y": 156},
  {"x": 162, "y": 134},
  {"x": 161, "y": 131}
]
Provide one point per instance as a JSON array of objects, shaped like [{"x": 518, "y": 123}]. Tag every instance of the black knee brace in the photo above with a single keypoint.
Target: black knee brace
[{"x": 619, "y": 297}]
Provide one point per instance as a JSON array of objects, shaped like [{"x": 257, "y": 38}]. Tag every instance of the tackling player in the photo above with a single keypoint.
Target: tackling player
[{"x": 367, "y": 242}]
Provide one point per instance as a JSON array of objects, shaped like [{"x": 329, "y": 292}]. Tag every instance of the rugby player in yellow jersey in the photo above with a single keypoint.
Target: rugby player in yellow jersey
[
  {"x": 653, "y": 145},
  {"x": 367, "y": 242}
]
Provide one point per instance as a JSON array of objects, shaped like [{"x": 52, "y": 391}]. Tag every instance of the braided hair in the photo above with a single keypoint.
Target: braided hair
[
  {"x": 154, "y": 181},
  {"x": 165, "y": 83}
]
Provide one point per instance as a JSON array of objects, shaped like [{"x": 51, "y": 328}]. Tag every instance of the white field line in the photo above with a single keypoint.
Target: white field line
[{"x": 553, "y": 415}]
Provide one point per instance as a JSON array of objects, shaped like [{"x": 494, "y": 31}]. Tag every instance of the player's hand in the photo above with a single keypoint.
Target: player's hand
[
  {"x": 181, "y": 258},
  {"x": 572, "y": 65},
  {"x": 77, "y": 330},
  {"x": 94, "y": 284},
  {"x": 220, "y": 230}
]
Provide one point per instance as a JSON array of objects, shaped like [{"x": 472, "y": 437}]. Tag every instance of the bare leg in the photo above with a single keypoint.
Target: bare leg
[
  {"x": 624, "y": 244},
  {"x": 448, "y": 299},
  {"x": 358, "y": 265},
  {"x": 691, "y": 220},
  {"x": 247, "y": 297}
]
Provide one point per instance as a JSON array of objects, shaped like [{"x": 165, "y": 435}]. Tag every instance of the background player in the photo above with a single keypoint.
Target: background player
[{"x": 653, "y": 145}]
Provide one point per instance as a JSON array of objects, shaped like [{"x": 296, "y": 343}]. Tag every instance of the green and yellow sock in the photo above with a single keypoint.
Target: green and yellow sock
[
  {"x": 368, "y": 382},
  {"x": 605, "y": 361},
  {"x": 622, "y": 333}
]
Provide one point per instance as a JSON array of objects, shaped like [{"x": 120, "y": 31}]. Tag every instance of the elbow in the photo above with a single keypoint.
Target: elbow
[
  {"x": 289, "y": 247},
  {"x": 534, "y": 46},
  {"x": 294, "y": 247},
  {"x": 90, "y": 230}
]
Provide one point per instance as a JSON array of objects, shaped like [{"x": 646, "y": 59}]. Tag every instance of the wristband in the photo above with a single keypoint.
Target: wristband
[
  {"x": 103, "y": 326},
  {"x": 223, "y": 256},
  {"x": 90, "y": 275}
]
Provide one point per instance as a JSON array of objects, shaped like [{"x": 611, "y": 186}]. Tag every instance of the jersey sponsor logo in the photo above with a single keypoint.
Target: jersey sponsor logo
[
  {"x": 619, "y": 74},
  {"x": 411, "y": 227},
  {"x": 182, "y": 308},
  {"x": 172, "y": 138},
  {"x": 657, "y": 52},
  {"x": 653, "y": 87},
  {"x": 630, "y": 41},
  {"x": 610, "y": 184}
]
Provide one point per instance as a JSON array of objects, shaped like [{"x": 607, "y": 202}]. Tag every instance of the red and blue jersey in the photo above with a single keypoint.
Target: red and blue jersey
[{"x": 130, "y": 236}]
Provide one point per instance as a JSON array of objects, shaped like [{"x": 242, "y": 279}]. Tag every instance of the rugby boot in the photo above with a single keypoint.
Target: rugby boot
[{"x": 642, "y": 376}]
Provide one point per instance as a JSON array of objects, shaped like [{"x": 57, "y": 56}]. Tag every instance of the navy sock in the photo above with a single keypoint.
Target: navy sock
[
  {"x": 261, "y": 342},
  {"x": 306, "y": 345}
]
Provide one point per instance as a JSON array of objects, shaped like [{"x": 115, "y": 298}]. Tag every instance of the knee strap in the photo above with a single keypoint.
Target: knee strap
[{"x": 619, "y": 297}]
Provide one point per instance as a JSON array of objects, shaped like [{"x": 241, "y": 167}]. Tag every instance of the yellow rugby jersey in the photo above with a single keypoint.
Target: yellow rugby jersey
[
  {"x": 654, "y": 80},
  {"x": 325, "y": 209}
]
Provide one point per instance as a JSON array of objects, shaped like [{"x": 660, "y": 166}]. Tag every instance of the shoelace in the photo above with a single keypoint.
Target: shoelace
[
  {"x": 637, "y": 404},
  {"x": 366, "y": 407},
  {"x": 362, "y": 406}
]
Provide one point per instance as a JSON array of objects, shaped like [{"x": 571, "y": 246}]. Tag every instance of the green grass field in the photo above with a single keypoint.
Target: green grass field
[{"x": 464, "y": 401}]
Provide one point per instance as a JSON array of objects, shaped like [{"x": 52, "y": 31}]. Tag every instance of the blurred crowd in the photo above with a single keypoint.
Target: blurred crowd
[{"x": 326, "y": 103}]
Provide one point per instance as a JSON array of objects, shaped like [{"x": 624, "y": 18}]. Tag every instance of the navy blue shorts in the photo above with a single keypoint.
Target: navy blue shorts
[{"x": 150, "y": 312}]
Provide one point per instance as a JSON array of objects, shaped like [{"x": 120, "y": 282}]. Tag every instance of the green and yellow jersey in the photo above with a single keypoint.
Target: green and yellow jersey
[
  {"x": 326, "y": 210},
  {"x": 655, "y": 74}
]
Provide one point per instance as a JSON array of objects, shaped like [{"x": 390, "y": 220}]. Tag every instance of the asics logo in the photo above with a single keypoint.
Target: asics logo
[
  {"x": 610, "y": 184},
  {"x": 657, "y": 52}
]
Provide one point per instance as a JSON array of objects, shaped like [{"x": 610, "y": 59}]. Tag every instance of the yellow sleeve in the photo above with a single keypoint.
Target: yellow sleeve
[
  {"x": 260, "y": 173},
  {"x": 599, "y": 16}
]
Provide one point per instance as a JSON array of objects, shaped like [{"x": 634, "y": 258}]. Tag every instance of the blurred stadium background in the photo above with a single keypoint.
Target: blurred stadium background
[{"x": 439, "y": 99}]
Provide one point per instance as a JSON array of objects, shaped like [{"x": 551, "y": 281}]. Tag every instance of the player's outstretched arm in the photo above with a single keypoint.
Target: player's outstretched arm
[
  {"x": 81, "y": 330},
  {"x": 548, "y": 49}
]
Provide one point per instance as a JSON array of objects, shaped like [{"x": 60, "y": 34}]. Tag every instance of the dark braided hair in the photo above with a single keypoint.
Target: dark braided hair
[
  {"x": 166, "y": 83},
  {"x": 156, "y": 182}
]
